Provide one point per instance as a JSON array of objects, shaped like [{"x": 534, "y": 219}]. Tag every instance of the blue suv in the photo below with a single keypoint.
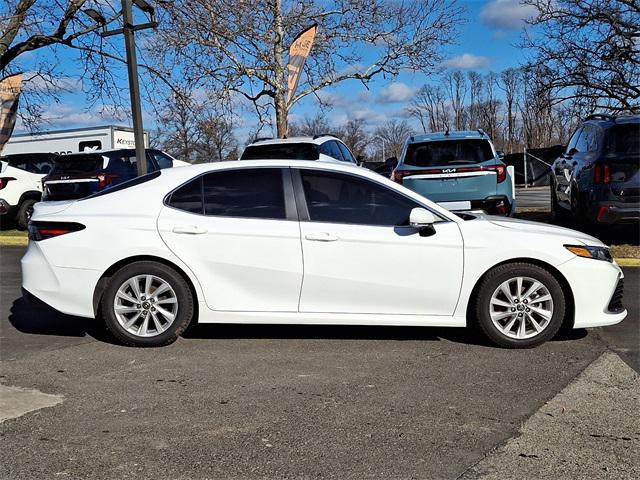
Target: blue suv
[{"x": 459, "y": 170}]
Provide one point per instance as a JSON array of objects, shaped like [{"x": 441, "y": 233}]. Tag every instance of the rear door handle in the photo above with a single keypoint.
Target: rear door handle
[
  {"x": 189, "y": 230},
  {"x": 321, "y": 237}
]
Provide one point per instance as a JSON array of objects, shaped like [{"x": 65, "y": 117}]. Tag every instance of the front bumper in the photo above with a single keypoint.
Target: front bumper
[{"x": 594, "y": 284}]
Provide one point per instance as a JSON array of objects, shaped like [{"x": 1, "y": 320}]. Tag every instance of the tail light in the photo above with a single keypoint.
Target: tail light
[
  {"x": 4, "y": 181},
  {"x": 601, "y": 173},
  {"x": 500, "y": 169},
  {"x": 105, "y": 179},
  {"x": 43, "y": 230}
]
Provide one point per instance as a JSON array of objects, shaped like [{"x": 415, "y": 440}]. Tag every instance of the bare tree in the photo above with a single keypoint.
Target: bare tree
[
  {"x": 430, "y": 109},
  {"x": 590, "y": 48},
  {"x": 457, "y": 90},
  {"x": 241, "y": 47},
  {"x": 217, "y": 140},
  {"x": 394, "y": 133},
  {"x": 475, "y": 92},
  {"x": 355, "y": 136},
  {"x": 509, "y": 83},
  {"x": 310, "y": 126}
]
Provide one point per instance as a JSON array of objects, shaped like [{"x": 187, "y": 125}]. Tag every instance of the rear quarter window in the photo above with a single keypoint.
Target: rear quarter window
[{"x": 448, "y": 152}]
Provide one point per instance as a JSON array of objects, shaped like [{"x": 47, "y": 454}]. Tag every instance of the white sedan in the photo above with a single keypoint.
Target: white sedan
[{"x": 299, "y": 242}]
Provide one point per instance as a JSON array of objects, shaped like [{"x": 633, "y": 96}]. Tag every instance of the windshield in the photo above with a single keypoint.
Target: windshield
[
  {"x": 448, "y": 152},
  {"x": 624, "y": 139},
  {"x": 281, "y": 151}
]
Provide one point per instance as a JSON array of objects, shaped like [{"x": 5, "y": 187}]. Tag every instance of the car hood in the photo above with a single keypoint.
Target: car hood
[{"x": 543, "y": 228}]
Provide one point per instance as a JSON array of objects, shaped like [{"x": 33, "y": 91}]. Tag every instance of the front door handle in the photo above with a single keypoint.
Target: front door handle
[
  {"x": 321, "y": 237},
  {"x": 190, "y": 230}
]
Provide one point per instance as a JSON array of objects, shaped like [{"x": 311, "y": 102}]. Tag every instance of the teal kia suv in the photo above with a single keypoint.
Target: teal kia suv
[{"x": 459, "y": 170}]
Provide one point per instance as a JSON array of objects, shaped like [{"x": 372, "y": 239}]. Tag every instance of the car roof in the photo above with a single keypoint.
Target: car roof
[
  {"x": 453, "y": 135},
  {"x": 610, "y": 120},
  {"x": 316, "y": 139}
]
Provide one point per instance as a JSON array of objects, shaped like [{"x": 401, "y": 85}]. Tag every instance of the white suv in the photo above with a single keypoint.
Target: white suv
[
  {"x": 326, "y": 148},
  {"x": 21, "y": 184}
]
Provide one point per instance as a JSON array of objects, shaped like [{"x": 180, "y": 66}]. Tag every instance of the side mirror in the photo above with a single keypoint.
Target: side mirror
[
  {"x": 423, "y": 220},
  {"x": 391, "y": 162},
  {"x": 573, "y": 151},
  {"x": 360, "y": 160},
  {"x": 500, "y": 154}
]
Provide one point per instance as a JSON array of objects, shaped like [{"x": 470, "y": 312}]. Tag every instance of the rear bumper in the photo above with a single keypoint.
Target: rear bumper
[
  {"x": 494, "y": 205},
  {"x": 5, "y": 208},
  {"x": 607, "y": 212},
  {"x": 68, "y": 290}
]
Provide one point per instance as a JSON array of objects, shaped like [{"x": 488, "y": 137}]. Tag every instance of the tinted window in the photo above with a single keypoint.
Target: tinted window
[
  {"x": 331, "y": 149},
  {"x": 162, "y": 159},
  {"x": 73, "y": 164},
  {"x": 574, "y": 140},
  {"x": 346, "y": 154},
  {"x": 582, "y": 143},
  {"x": 188, "y": 197},
  {"x": 340, "y": 198},
  {"x": 624, "y": 139},
  {"x": 590, "y": 135},
  {"x": 36, "y": 163},
  {"x": 251, "y": 193},
  {"x": 281, "y": 151},
  {"x": 127, "y": 184},
  {"x": 448, "y": 152}
]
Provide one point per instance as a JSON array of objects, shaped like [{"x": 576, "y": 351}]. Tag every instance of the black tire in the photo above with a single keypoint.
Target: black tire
[
  {"x": 184, "y": 304},
  {"x": 492, "y": 281},
  {"x": 24, "y": 213}
]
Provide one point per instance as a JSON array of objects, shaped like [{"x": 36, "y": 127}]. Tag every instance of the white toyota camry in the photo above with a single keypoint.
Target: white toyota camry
[{"x": 308, "y": 243}]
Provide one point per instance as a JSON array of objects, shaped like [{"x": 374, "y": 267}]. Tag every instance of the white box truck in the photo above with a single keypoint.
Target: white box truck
[{"x": 73, "y": 140}]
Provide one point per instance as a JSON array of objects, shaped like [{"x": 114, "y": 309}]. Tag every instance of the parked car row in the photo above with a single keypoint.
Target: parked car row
[{"x": 28, "y": 178}]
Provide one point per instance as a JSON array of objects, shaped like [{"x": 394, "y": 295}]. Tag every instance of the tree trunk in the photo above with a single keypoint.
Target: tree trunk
[{"x": 282, "y": 109}]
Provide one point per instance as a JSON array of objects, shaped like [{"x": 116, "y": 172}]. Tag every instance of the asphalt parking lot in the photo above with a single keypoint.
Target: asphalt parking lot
[{"x": 275, "y": 402}]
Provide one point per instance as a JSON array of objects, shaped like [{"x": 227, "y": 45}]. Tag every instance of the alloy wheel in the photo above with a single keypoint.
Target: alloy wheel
[
  {"x": 145, "y": 305},
  {"x": 521, "y": 307}
]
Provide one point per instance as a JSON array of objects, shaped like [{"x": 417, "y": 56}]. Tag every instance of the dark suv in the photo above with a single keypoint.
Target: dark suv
[
  {"x": 596, "y": 179},
  {"x": 79, "y": 175}
]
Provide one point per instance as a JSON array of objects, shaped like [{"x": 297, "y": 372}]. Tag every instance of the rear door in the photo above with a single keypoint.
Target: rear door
[
  {"x": 450, "y": 170},
  {"x": 237, "y": 230}
]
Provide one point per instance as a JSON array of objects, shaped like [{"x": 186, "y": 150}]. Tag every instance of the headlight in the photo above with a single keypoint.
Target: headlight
[{"x": 597, "y": 253}]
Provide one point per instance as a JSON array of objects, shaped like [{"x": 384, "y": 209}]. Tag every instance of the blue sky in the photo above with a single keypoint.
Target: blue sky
[{"x": 487, "y": 42}]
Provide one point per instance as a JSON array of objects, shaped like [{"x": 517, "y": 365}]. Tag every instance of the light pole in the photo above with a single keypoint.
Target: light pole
[
  {"x": 384, "y": 142},
  {"x": 129, "y": 29}
]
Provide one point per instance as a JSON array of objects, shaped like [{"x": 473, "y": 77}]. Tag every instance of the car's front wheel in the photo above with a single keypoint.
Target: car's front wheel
[
  {"x": 147, "y": 304},
  {"x": 520, "y": 305}
]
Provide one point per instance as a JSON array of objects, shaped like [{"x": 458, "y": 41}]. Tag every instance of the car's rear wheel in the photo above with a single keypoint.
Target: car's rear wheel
[
  {"x": 147, "y": 304},
  {"x": 520, "y": 305},
  {"x": 24, "y": 213}
]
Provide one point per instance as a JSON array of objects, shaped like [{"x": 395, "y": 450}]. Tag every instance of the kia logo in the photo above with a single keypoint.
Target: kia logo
[{"x": 449, "y": 170}]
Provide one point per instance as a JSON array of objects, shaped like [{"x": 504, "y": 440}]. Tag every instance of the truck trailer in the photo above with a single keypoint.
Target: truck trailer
[{"x": 73, "y": 140}]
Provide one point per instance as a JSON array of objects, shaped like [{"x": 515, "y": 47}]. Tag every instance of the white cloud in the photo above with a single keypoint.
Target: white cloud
[
  {"x": 396, "y": 92},
  {"x": 506, "y": 14},
  {"x": 330, "y": 99},
  {"x": 45, "y": 83},
  {"x": 467, "y": 61}
]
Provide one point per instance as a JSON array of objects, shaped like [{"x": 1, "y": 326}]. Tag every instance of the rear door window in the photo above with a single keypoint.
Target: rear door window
[
  {"x": 246, "y": 192},
  {"x": 281, "y": 151},
  {"x": 448, "y": 152}
]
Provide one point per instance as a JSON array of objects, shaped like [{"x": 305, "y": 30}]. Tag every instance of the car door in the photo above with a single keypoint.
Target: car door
[
  {"x": 238, "y": 232},
  {"x": 360, "y": 255}
]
